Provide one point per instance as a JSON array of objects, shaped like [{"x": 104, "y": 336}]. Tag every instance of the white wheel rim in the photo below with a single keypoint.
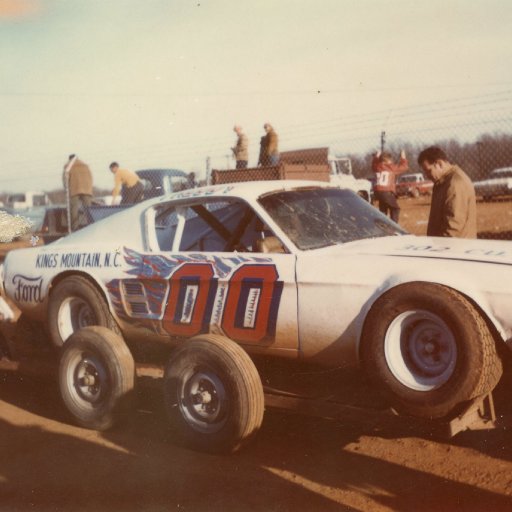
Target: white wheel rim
[
  {"x": 202, "y": 399},
  {"x": 420, "y": 350},
  {"x": 74, "y": 313}
]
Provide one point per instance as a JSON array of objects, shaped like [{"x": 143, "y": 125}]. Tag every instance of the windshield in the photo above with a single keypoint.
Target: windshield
[{"x": 320, "y": 217}]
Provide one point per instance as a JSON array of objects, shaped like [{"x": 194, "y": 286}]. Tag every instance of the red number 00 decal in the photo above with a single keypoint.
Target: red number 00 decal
[
  {"x": 250, "y": 306},
  {"x": 190, "y": 299}
]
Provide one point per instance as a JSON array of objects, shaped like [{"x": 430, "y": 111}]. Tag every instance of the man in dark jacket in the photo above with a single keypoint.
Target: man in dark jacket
[
  {"x": 77, "y": 180},
  {"x": 269, "y": 150},
  {"x": 453, "y": 207}
]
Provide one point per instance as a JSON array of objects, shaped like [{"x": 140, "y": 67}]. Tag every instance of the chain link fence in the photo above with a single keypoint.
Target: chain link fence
[
  {"x": 475, "y": 133},
  {"x": 482, "y": 148},
  {"x": 486, "y": 159}
]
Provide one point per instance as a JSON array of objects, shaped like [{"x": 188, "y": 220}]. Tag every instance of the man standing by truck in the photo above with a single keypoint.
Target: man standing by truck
[
  {"x": 128, "y": 183},
  {"x": 385, "y": 182},
  {"x": 77, "y": 178},
  {"x": 241, "y": 149},
  {"x": 269, "y": 151}
]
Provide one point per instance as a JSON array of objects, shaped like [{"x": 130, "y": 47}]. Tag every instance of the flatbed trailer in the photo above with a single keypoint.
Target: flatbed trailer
[{"x": 282, "y": 171}]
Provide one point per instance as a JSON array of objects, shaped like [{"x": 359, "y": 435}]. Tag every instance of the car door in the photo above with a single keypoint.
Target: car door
[{"x": 220, "y": 270}]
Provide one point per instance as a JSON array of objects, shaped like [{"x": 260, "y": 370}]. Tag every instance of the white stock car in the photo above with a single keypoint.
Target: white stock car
[{"x": 301, "y": 270}]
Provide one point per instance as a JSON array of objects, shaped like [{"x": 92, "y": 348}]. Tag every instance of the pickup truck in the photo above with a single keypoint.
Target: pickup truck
[
  {"x": 318, "y": 164},
  {"x": 340, "y": 168},
  {"x": 413, "y": 185},
  {"x": 498, "y": 183}
]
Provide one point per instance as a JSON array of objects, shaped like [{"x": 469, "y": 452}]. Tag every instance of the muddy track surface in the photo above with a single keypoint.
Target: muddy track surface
[{"x": 295, "y": 463}]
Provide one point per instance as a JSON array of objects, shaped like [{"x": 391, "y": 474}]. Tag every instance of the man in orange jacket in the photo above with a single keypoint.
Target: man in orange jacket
[{"x": 385, "y": 185}]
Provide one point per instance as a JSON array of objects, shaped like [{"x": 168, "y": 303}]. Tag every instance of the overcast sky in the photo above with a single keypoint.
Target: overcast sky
[{"x": 161, "y": 82}]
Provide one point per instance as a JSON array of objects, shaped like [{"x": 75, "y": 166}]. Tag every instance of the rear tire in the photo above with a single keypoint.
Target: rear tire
[
  {"x": 96, "y": 377},
  {"x": 428, "y": 350},
  {"x": 76, "y": 303},
  {"x": 213, "y": 395}
]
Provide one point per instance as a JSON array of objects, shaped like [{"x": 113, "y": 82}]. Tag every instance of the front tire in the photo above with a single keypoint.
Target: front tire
[
  {"x": 213, "y": 395},
  {"x": 96, "y": 377},
  {"x": 428, "y": 349},
  {"x": 76, "y": 303}
]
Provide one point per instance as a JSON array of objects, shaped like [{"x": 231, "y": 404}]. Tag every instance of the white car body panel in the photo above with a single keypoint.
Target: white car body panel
[{"x": 353, "y": 277}]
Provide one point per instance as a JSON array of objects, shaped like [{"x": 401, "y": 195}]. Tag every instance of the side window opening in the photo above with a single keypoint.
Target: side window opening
[
  {"x": 166, "y": 222},
  {"x": 215, "y": 226}
]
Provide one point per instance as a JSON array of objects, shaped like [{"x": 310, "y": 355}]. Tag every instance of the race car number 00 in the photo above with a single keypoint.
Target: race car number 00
[{"x": 251, "y": 302}]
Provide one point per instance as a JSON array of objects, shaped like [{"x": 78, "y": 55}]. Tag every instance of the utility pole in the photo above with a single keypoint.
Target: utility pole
[
  {"x": 480, "y": 170},
  {"x": 208, "y": 170},
  {"x": 382, "y": 141}
]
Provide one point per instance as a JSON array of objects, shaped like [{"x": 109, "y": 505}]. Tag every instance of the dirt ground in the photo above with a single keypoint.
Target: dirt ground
[
  {"x": 296, "y": 463},
  {"x": 494, "y": 218}
]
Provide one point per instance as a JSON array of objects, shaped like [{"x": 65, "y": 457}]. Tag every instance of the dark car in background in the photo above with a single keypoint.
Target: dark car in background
[{"x": 158, "y": 182}]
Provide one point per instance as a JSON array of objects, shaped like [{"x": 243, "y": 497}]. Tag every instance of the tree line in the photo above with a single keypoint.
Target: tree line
[{"x": 477, "y": 159}]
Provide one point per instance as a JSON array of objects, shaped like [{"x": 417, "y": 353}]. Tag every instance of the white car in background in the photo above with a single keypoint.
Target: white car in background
[
  {"x": 291, "y": 269},
  {"x": 414, "y": 185},
  {"x": 498, "y": 183}
]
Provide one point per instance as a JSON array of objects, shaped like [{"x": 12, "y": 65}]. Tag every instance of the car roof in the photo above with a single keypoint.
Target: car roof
[{"x": 248, "y": 189}]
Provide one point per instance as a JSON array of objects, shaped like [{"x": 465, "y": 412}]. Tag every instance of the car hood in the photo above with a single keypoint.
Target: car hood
[{"x": 489, "y": 251}]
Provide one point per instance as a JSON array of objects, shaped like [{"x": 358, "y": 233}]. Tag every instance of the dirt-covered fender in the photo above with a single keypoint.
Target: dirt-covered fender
[{"x": 492, "y": 304}]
